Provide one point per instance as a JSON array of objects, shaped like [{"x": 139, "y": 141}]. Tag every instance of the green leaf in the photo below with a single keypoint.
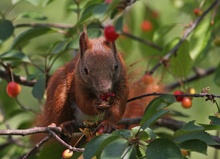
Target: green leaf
[
  {"x": 151, "y": 133},
  {"x": 201, "y": 135},
  {"x": 215, "y": 120},
  {"x": 18, "y": 119},
  {"x": 100, "y": 10},
  {"x": 181, "y": 63},
  {"x": 59, "y": 47},
  {"x": 195, "y": 145},
  {"x": 154, "y": 118},
  {"x": 33, "y": 15},
  {"x": 98, "y": 143},
  {"x": 130, "y": 152},
  {"x": 35, "y": 2},
  {"x": 119, "y": 24},
  {"x": 115, "y": 149},
  {"x": 6, "y": 29},
  {"x": 23, "y": 38},
  {"x": 113, "y": 5},
  {"x": 39, "y": 88},
  {"x": 88, "y": 11},
  {"x": 143, "y": 135},
  {"x": 188, "y": 128},
  {"x": 199, "y": 39},
  {"x": 42, "y": 3},
  {"x": 177, "y": 113},
  {"x": 14, "y": 55},
  {"x": 191, "y": 127},
  {"x": 163, "y": 149},
  {"x": 161, "y": 33},
  {"x": 123, "y": 133},
  {"x": 217, "y": 75},
  {"x": 210, "y": 127},
  {"x": 154, "y": 109}
]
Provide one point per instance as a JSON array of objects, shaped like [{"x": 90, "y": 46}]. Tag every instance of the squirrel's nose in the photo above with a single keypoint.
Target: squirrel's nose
[{"x": 105, "y": 86}]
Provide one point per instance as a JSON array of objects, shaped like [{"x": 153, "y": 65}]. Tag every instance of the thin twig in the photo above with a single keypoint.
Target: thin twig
[
  {"x": 194, "y": 77},
  {"x": 209, "y": 96},
  {"x": 35, "y": 130},
  {"x": 64, "y": 143},
  {"x": 37, "y": 146},
  {"x": 18, "y": 79},
  {"x": 143, "y": 41},
  {"x": 24, "y": 107},
  {"x": 165, "y": 59}
]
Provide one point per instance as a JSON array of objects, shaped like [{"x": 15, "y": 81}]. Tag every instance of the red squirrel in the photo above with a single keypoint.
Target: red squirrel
[{"x": 74, "y": 90}]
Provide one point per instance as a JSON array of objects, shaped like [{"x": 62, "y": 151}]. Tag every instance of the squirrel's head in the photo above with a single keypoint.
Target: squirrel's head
[{"x": 99, "y": 65}]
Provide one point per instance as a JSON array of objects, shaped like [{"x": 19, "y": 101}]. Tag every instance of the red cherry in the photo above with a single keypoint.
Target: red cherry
[
  {"x": 67, "y": 153},
  {"x": 197, "y": 12},
  {"x": 178, "y": 92},
  {"x": 186, "y": 102},
  {"x": 13, "y": 89},
  {"x": 108, "y": 1},
  {"x": 106, "y": 96},
  {"x": 146, "y": 25},
  {"x": 147, "y": 79},
  {"x": 110, "y": 33},
  {"x": 103, "y": 97},
  {"x": 110, "y": 94}
]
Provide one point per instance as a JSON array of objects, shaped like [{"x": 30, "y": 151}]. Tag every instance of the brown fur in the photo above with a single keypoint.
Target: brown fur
[{"x": 73, "y": 95}]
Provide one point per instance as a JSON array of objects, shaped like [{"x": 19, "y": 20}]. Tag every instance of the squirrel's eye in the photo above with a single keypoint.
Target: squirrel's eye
[
  {"x": 116, "y": 66},
  {"x": 86, "y": 71}
]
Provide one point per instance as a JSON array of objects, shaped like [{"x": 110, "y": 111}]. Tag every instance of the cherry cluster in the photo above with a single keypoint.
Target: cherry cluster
[{"x": 186, "y": 102}]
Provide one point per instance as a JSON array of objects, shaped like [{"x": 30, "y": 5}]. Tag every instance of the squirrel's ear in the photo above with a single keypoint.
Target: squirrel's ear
[
  {"x": 114, "y": 48},
  {"x": 83, "y": 42}
]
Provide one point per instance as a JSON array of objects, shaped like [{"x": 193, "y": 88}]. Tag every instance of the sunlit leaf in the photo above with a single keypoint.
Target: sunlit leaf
[
  {"x": 199, "y": 39},
  {"x": 14, "y": 55},
  {"x": 181, "y": 63},
  {"x": 155, "y": 109},
  {"x": 23, "y": 38},
  {"x": 115, "y": 149}
]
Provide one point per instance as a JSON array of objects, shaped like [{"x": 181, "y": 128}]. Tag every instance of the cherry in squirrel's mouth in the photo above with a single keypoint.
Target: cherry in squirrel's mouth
[{"x": 106, "y": 96}]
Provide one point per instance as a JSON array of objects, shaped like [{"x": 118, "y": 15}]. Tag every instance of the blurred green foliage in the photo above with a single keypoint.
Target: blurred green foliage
[{"x": 38, "y": 36}]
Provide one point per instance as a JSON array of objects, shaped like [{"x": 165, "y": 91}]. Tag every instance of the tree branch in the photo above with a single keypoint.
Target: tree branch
[
  {"x": 197, "y": 75},
  {"x": 207, "y": 95},
  {"x": 18, "y": 79},
  {"x": 165, "y": 59},
  {"x": 143, "y": 41},
  {"x": 37, "y": 146}
]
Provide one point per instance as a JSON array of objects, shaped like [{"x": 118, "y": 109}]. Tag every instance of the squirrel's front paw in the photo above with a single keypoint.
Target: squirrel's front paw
[
  {"x": 101, "y": 105},
  {"x": 68, "y": 128},
  {"x": 107, "y": 126}
]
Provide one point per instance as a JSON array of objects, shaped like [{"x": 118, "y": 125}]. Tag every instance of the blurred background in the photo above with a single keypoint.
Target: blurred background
[{"x": 161, "y": 23}]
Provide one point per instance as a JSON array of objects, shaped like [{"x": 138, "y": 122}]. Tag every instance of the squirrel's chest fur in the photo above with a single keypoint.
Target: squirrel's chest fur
[{"x": 80, "y": 116}]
